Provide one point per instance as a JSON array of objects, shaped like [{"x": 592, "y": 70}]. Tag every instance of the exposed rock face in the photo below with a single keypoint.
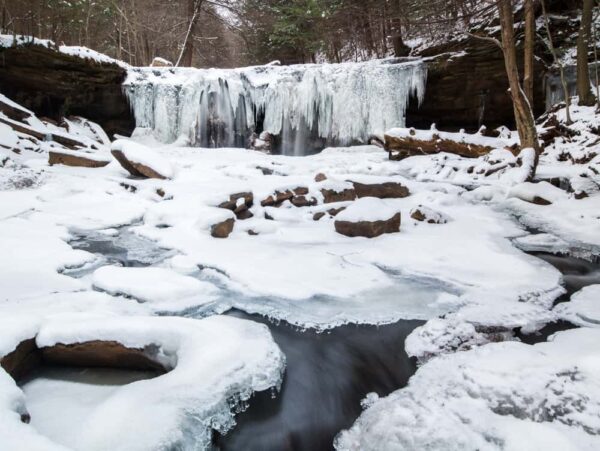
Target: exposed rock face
[
  {"x": 388, "y": 190},
  {"x": 75, "y": 159},
  {"x": 240, "y": 203},
  {"x": 331, "y": 196},
  {"x": 469, "y": 89},
  {"x": 54, "y": 85},
  {"x": 222, "y": 229},
  {"x": 22, "y": 361},
  {"x": 368, "y": 229},
  {"x": 136, "y": 169},
  {"x": 109, "y": 354}
]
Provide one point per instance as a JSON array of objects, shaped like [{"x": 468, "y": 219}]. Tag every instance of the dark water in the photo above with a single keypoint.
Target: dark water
[
  {"x": 327, "y": 376},
  {"x": 577, "y": 273}
]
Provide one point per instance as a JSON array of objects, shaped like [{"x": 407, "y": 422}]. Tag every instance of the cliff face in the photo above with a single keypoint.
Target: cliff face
[
  {"x": 54, "y": 85},
  {"x": 467, "y": 87}
]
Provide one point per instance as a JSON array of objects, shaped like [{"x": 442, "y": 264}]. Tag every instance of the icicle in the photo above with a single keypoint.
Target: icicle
[{"x": 307, "y": 106}]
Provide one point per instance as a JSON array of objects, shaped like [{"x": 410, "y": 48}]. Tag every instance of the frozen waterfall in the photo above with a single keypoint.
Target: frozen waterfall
[{"x": 305, "y": 107}]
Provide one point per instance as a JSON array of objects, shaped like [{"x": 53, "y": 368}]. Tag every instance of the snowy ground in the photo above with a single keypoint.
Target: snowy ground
[{"x": 283, "y": 264}]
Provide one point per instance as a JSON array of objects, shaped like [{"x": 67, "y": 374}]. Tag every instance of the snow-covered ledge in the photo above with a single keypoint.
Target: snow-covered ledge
[{"x": 183, "y": 409}]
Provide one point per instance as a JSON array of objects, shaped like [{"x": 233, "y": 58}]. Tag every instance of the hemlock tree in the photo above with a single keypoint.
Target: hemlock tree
[{"x": 584, "y": 91}]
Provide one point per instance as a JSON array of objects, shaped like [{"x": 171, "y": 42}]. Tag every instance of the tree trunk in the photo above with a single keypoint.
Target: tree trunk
[
  {"x": 529, "y": 65},
  {"x": 187, "y": 52},
  {"x": 586, "y": 97},
  {"x": 522, "y": 109}
]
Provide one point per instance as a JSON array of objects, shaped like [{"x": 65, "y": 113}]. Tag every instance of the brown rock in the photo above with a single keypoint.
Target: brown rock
[
  {"x": 424, "y": 214},
  {"x": 320, "y": 177},
  {"x": 222, "y": 229},
  {"x": 300, "y": 191},
  {"x": 368, "y": 229},
  {"x": 331, "y": 196},
  {"x": 318, "y": 216},
  {"x": 335, "y": 211},
  {"x": 303, "y": 201},
  {"x": 160, "y": 62},
  {"x": 277, "y": 198},
  {"x": 80, "y": 160},
  {"x": 388, "y": 190},
  {"x": 108, "y": 354},
  {"x": 240, "y": 209},
  {"x": 136, "y": 169},
  {"x": 22, "y": 361}
]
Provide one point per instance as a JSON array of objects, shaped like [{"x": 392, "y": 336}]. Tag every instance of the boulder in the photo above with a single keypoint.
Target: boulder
[
  {"x": 387, "y": 190},
  {"x": 141, "y": 161},
  {"x": 368, "y": 217},
  {"x": 222, "y": 229},
  {"x": 320, "y": 177},
  {"x": 277, "y": 198},
  {"x": 76, "y": 159},
  {"x": 332, "y": 195},
  {"x": 303, "y": 201}
]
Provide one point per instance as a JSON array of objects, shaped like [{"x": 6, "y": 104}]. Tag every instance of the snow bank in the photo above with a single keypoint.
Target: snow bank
[
  {"x": 507, "y": 396},
  {"x": 161, "y": 287}
]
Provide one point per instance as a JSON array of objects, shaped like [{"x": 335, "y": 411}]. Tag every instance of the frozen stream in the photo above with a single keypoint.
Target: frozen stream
[{"x": 328, "y": 373}]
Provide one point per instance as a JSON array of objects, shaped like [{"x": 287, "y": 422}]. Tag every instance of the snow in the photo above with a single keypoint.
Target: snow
[
  {"x": 541, "y": 190},
  {"x": 367, "y": 209},
  {"x": 507, "y": 396},
  {"x": 161, "y": 287},
  {"x": 347, "y": 102},
  {"x": 583, "y": 309},
  {"x": 138, "y": 153}
]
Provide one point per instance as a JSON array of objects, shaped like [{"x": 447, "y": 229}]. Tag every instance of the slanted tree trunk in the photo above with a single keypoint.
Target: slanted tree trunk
[
  {"x": 586, "y": 97},
  {"x": 187, "y": 51},
  {"x": 522, "y": 109},
  {"x": 528, "y": 72}
]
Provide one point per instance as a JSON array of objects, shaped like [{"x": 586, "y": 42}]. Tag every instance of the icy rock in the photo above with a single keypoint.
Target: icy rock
[
  {"x": 140, "y": 161},
  {"x": 501, "y": 396},
  {"x": 583, "y": 309},
  {"x": 367, "y": 217},
  {"x": 77, "y": 159}
]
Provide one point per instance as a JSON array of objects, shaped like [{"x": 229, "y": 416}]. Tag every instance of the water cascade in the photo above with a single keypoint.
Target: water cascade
[{"x": 305, "y": 107}]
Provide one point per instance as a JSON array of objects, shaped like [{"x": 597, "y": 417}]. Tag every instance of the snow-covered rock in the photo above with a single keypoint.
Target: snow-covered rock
[
  {"x": 367, "y": 217},
  {"x": 141, "y": 161}
]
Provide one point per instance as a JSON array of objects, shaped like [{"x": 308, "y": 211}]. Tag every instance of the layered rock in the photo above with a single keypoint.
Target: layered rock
[{"x": 77, "y": 159}]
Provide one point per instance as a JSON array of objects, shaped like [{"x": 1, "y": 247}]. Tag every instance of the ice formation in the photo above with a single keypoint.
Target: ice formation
[{"x": 306, "y": 106}]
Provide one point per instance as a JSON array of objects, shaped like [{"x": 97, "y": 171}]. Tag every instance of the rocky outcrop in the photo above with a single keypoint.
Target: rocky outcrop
[
  {"x": 368, "y": 229},
  {"x": 55, "y": 85},
  {"x": 467, "y": 86},
  {"x": 76, "y": 159}
]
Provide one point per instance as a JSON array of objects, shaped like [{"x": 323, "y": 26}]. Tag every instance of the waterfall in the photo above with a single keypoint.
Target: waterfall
[{"x": 305, "y": 107}]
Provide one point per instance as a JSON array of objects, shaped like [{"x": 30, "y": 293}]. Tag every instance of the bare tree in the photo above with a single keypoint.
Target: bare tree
[
  {"x": 586, "y": 97},
  {"x": 187, "y": 50},
  {"x": 522, "y": 109}
]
